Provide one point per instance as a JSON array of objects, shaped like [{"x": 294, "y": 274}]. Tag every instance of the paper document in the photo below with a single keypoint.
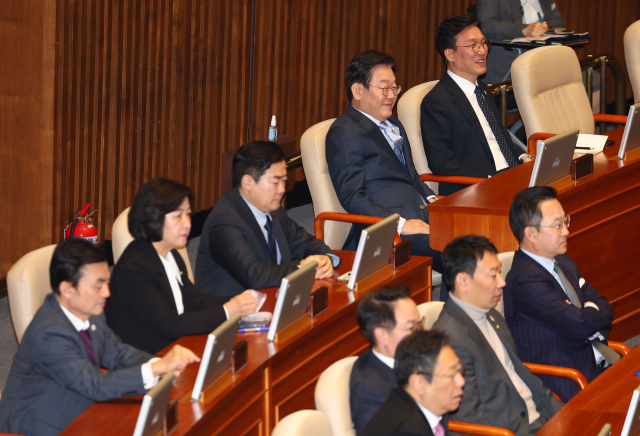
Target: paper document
[{"x": 590, "y": 144}]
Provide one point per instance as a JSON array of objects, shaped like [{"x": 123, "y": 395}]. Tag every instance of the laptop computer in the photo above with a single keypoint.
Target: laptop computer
[
  {"x": 553, "y": 158},
  {"x": 632, "y": 421},
  {"x": 217, "y": 353},
  {"x": 292, "y": 298},
  {"x": 631, "y": 135},
  {"x": 373, "y": 251},
  {"x": 154, "y": 406}
]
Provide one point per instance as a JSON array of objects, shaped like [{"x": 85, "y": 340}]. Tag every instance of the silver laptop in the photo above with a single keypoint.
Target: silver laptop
[
  {"x": 553, "y": 159},
  {"x": 217, "y": 353},
  {"x": 631, "y": 135},
  {"x": 374, "y": 249},
  {"x": 154, "y": 406},
  {"x": 632, "y": 421},
  {"x": 293, "y": 298}
]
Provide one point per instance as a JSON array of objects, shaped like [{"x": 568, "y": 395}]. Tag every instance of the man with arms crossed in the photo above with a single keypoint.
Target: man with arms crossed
[
  {"x": 500, "y": 391},
  {"x": 56, "y": 373},
  {"x": 556, "y": 316}
]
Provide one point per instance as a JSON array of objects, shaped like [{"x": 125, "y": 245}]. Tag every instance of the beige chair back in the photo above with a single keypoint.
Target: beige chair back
[
  {"x": 28, "y": 284},
  {"x": 632, "y": 57},
  {"x": 332, "y": 396},
  {"x": 303, "y": 423},
  {"x": 316, "y": 171},
  {"x": 409, "y": 116},
  {"x": 506, "y": 259},
  {"x": 120, "y": 238},
  {"x": 430, "y": 312},
  {"x": 547, "y": 83}
]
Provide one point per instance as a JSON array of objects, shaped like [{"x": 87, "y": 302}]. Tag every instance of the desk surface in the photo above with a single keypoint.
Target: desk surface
[{"x": 279, "y": 378}]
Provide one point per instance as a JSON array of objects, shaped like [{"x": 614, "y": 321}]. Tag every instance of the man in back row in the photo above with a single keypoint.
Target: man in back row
[{"x": 56, "y": 374}]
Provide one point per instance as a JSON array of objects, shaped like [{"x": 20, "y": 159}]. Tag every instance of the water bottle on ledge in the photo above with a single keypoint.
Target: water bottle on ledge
[{"x": 273, "y": 130}]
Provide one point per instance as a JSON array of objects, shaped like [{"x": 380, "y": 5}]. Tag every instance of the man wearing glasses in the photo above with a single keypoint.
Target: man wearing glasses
[
  {"x": 557, "y": 318},
  {"x": 369, "y": 156},
  {"x": 461, "y": 128},
  {"x": 499, "y": 390}
]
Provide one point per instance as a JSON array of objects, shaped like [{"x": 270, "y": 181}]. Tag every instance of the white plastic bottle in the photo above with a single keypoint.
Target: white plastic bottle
[{"x": 273, "y": 130}]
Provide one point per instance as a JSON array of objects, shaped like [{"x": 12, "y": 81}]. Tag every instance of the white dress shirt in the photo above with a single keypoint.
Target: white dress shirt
[
  {"x": 148, "y": 378},
  {"x": 261, "y": 218},
  {"x": 432, "y": 418},
  {"x": 531, "y": 9},
  {"x": 390, "y": 362},
  {"x": 173, "y": 274}
]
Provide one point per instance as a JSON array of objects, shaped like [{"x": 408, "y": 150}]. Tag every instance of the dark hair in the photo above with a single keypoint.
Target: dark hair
[
  {"x": 418, "y": 354},
  {"x": 359, "y": 68},
  {"x": 69, "y": 259},
  {"x": 255, "y": 158},
  {"x": 450, "y": 28},
  {"x": 462, "y": 255},
  {"x": 154, "y": 200},
  {"x": 525, "y": 209},
  {"x": 376, "y": 309}
]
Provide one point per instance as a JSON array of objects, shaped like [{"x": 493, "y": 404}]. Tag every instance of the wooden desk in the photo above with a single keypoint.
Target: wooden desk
[
  {"x": 605, "y": 400},
  {"x": 279, "y": 378},
  {"x": 604, "y": 237}
]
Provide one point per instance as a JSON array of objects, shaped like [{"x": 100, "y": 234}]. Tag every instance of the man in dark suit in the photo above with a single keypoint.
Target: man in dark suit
[
  {"x": 557, "y": 318},
  {"x": 385, "y": 316},
  {"x": 248, "y": 240},
  {"x": 431, "y": 379},
  {"x": 500, "y": 391},
  {"x": 369, "y": 156},
  {"x": 56, "y": 373},
  {"x": 461, "y": 127}
]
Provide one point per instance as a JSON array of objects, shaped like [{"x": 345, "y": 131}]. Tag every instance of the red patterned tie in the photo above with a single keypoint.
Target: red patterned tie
[{"x": 86, "y": 338}]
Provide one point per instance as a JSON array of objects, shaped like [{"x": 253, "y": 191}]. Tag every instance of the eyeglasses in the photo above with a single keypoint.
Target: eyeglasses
[
  {"x": 462, "y": 370},
  {"x": 565, "y": 223},
  {"x": 385, "y": 90},
  {"x": 476, "y": 46}
]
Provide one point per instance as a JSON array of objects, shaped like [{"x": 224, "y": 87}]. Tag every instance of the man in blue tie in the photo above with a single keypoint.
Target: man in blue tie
[
  {"x": 461, "y": 128},
  {"x": 369, "y": 156}
]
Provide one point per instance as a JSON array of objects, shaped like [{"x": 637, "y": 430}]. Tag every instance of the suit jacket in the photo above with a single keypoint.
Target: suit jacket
[
  {"x": 400, "y": 416},
  {"x": 548, "y": 330},
  {"x": 368, "y": 177},
  {"x": 489, "y": 396},
  {"x": 52, "y": 380},
  {"x": 454, "y": 141},
  {"x": 234, "y": 255},
  {"x": 370, "y": 383},
  {"x": 502, "y": 19},
  {"x": 142, "y": 309}
]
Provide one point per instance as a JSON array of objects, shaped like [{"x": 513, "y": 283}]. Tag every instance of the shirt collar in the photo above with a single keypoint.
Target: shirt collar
[
  {"x": 375, "y": 120},
  {"x": 386, "y": 360},
  {"x": 431, "y": 417},
  {"x": 171, "y": 266},
  {"x": 78, "y": 324},
  {"x": 467, "y": 87},
  {"x": 474, "y": 312},
  {"x": 544, "y": 261},
  {"x": 259, "y": 215}
]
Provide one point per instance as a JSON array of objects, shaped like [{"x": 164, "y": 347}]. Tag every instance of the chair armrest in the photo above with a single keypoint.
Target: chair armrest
[
  {"x": 533, "y": 139},
  {"x": 478, "y": 429},
  {"x": 610, "y": 118},
  {"x": 558, "y": 371},
  {"x": 345, "y": 218},
  {"x": 451, "y": 179},
  {"x": 620, "y": 347}
]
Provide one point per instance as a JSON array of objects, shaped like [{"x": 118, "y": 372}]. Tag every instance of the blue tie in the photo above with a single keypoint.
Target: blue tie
[
  {"x": 271, "y": 241},
  {"x": 493, "y": 123},
  {"x": 397, "y": 143}
]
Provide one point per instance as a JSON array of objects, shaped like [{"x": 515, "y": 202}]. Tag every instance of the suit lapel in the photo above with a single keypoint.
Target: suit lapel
[
  {"x": 556, "y": 286},
  {"x": 158, "y": 267},
  {"x": 516, "y": 9},
  {"x": 247, "y": 216},
  {"x": 281, "y": 239}
]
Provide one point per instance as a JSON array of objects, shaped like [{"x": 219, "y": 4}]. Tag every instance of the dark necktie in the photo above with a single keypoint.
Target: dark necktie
[
  {"x": 603, "y": 348},
  {"x": 495, "y": 128},
  {"x": 271, "y": 242},
  {"x": 397, "y": 143},
  {"x": 86, "y": 338}
]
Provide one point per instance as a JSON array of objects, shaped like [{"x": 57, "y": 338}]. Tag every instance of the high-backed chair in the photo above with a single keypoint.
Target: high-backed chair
[
  {"x": 552, "y": 103},
  {"x": 332, "y": 396},
  {"x": 506, "y": 259},
  {"x": 632, "y": 57},
  {"x": 28, "y": 284},
  {"x": 120, "y": 238},
  {"x": 430, "y": 311},
  {"x": 303, "y": 423}
]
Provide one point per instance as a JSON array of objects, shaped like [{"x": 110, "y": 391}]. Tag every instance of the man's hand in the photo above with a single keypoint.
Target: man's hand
[
  {"x": 243, "y": 304},
  {"x": 325, "y": 267},
  {"x": 527, "y": 159},
  {"x": 415, "y": 227},
  {"x": 175, "y": 360},
  {"x": 535, "y": 29}
]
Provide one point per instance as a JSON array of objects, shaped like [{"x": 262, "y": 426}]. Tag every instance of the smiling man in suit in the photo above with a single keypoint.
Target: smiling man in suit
[
  {"x": 461, "y": 127},
  {"x": 248, "y": 241},
  {"x": 369, "y": 156},
  {"x": 56, "y": 373},
  {"x": 556, "y": 316}
]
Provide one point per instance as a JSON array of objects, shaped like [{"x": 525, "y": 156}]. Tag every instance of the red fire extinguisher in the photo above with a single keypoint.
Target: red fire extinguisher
[{"x": 81, "y": 227}]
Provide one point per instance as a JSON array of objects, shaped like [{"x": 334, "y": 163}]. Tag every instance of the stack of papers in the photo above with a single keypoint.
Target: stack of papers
[{"x": 590, "y": 144}]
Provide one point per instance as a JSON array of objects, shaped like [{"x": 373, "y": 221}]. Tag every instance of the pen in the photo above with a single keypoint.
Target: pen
[
  {"x": 584, "y": 148},
  {"x": 253, "y": 329},
  {"x": 540, "y": 18}
]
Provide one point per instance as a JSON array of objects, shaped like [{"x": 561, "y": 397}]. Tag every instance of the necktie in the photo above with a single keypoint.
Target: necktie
[
  {"x": 271, "y": 241},
  {"x": 86, "y": 338},
  {"x": 439, "y": 430},
  {"x": 397, "y": 143},
  {"x": 603, "y": 348},
  {"x": 493, "y": 123}
]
